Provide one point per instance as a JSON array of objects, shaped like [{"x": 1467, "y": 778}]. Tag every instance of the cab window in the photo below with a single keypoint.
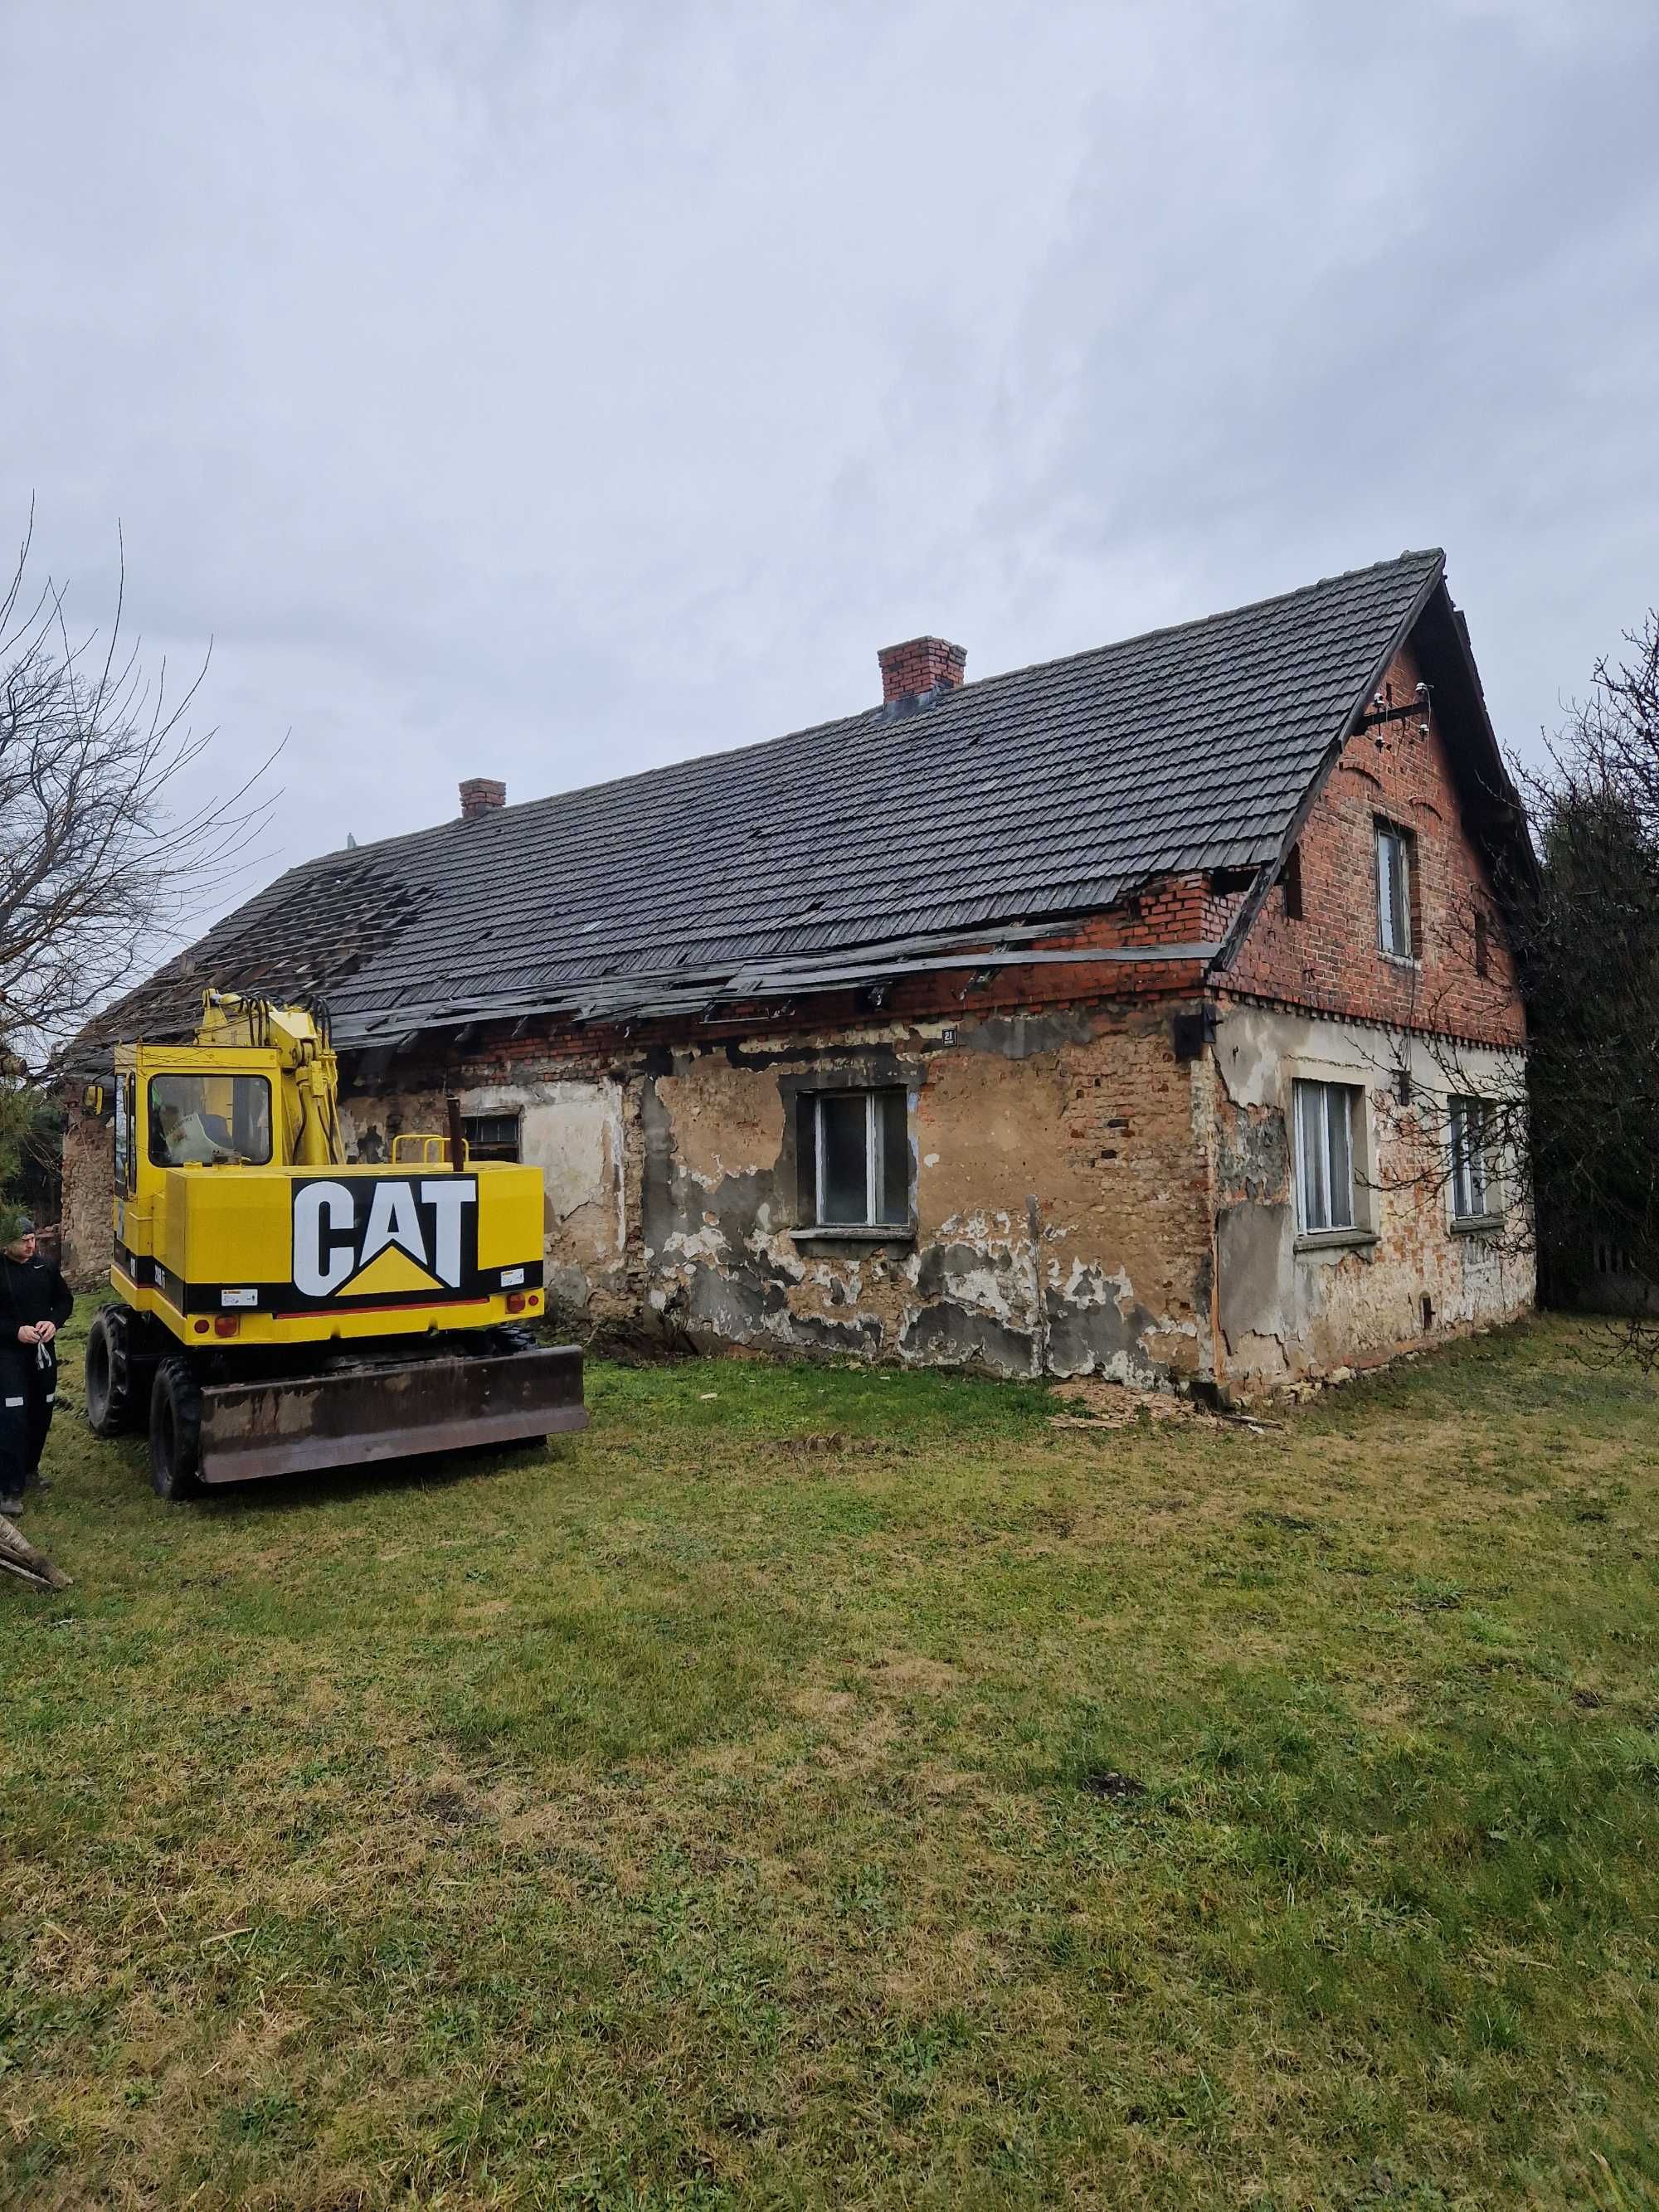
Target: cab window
[
  {"x": 124, "y": 1132},
  {"x": 210, "y": 1120}
]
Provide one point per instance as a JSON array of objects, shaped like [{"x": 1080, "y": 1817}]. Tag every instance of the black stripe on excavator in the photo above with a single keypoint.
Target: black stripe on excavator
[
  {"x": 136, "y": 1269},
  {"x": 282, "y": 1298},
  {"x": 149, "y": 1275}
]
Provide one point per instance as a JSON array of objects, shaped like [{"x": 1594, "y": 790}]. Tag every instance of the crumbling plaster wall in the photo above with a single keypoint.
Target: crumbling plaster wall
[
  {"x": 570, "y": 1126},
  {"x": 1060, "y": 1172},
  {"x": 1084, "y": 1202},
  {"x": 1059, "y": 1164},
  {"x": 1286, "y": 1308}
]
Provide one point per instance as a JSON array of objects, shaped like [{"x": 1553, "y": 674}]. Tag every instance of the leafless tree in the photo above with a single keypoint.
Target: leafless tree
[{"x": 100, "y": 865}]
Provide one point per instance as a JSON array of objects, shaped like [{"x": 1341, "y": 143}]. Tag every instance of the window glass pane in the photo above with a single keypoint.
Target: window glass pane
[
  {"x": 123, "y": 1133},
  {"x": 1324, "y": 1155},
  {"x": 1385, "y": 889},
  {"x": 1310, "y": 1155},
  {"x": 1393, "y": 894},
  {"x": 1338, "y": 1103},
  {"x": 491, "y": 1136},
  {"x": 894, "y": 1143},
  {"x": 1469, "y": 1138},
  {"x": 210, "y": 1120},
  {"x": 1459, "y": 1158},
  {"x": 844, "y": 1156},
  {"x": 1384, "y": 894},
  {"x": 1479, "y": 1138}
]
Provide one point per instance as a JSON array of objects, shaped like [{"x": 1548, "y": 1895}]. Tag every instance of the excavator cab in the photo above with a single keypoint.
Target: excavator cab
[{"x": 277, "y": 1308}]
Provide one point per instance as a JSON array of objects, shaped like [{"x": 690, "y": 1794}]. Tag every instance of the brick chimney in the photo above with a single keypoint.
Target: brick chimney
[
  {"x": 921, "y": 663},
  {"x": 480, "y": 794}
]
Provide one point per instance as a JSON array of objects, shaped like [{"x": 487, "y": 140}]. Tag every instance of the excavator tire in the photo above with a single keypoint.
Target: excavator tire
[
  {"x": 110, "y": 1408},
  {"x": 175, "y": 1432}
]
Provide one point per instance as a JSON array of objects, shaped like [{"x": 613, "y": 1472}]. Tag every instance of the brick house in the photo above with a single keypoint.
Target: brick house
[{"x": 1130, "y": 1014}]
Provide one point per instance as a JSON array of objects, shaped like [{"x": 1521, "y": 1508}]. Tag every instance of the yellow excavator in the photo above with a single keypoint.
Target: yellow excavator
[{"x": 276, "y": 1309}]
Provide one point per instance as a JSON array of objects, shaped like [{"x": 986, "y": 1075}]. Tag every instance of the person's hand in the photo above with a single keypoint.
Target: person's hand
[
  {"x": 29, "y": 1333},
  {"x": 45, "y": 1331}
]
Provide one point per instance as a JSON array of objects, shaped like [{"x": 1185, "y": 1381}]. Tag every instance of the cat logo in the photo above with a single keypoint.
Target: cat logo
[{"x": 385, "y": 1237}]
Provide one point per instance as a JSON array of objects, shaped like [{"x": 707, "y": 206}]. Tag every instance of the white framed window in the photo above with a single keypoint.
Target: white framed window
[
  {"x": 1471, "y": 1133},
  {"x": 1325, "y": 1117},
  {"x": 854, "y": 1160},
  {"x": 1394, "y": 859}
]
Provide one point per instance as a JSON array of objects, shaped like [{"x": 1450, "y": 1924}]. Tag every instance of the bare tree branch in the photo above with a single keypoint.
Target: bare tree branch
[{"x": 100, "y": 869}]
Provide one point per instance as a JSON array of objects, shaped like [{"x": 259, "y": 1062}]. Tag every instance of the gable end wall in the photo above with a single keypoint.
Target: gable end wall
[
  {"x": 1318, "y": 996},
  {"x": 1330, "y": 961}
]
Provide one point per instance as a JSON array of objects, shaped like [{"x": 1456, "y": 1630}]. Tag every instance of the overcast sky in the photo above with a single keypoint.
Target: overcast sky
[{"x": 549, "y": 391}]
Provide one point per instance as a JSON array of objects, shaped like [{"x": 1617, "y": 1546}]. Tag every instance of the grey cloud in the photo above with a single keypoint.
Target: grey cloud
[{"x": 549, "y": 392}]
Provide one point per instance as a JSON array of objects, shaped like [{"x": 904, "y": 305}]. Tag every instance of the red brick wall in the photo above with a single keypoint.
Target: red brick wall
[
  {"x": 918, "y": 665},
  {"x": 1330, "y": 961}
]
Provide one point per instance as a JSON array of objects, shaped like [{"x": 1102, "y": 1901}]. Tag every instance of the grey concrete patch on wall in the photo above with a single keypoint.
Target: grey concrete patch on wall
[
  {"x": 659, "y": 1215},
  {"x": 1019, "y": 1037},
  {"x": 958, "y": 1335},
  {"x": 733, "y": 1306},
  {"x": 1100, "y": 1335},
  {"x": 1254, "y": 1282},
  {"x": 942, "y": 1271},
  {"x": 1253, "y": 1155}
]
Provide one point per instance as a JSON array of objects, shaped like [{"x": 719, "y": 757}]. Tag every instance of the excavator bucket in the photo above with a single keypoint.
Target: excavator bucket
[{"x": 355, "y": 1412}]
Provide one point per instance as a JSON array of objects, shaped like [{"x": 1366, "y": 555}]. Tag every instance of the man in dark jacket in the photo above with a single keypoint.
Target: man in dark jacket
[{"x": 34, "y": 1303}]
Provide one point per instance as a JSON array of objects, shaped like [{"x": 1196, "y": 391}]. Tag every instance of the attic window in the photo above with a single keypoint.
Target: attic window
[
  {"x": 1395, "y": 869},
  {"x": 1482, "y": 947},
  {"x": 1293, "y": 883}
]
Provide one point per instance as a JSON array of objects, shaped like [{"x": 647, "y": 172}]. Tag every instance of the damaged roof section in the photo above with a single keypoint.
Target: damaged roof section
[
  {"x": 306, "y": 934},
  {"x": 857, "y": 848}
]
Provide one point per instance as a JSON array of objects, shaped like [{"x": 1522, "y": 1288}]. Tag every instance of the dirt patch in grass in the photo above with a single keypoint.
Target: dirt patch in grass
[
  {"x": 906, "y": 1671},
  {"x": 835, "y": 1445},
  {"x": 1114, "y": 1405},
  {"x": 1106, "y": 1782}
]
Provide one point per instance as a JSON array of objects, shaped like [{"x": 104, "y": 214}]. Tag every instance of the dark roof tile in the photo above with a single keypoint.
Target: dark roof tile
[{"x": 1047, "y": 789}]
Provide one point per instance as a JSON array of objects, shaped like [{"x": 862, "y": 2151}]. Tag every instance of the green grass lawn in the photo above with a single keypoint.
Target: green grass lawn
[{"x": 975, "y": 1812}]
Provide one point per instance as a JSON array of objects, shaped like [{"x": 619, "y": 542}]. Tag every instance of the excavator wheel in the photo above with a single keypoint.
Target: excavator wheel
[
  {"x": 109, "y": 1379},
  {"x": 175, "y": 1432}
]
